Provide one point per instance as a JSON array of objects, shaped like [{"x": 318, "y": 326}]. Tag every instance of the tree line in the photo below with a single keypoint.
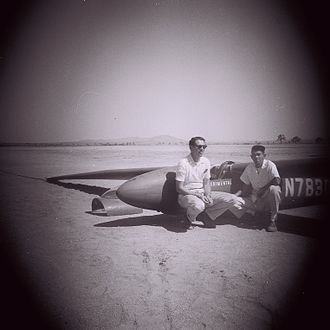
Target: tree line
[{"x": 281, "y": 138}]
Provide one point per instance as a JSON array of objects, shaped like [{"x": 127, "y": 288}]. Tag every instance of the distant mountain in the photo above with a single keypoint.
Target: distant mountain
[{"x": 155, "y": 140}]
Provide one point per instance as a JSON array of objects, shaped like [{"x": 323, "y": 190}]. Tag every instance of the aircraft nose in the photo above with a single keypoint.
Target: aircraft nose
[
  {"x": 141, "y": 191},
  {"x": 153, "y": 190}
]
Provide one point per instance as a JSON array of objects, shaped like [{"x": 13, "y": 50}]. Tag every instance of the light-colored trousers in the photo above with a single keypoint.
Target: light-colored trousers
[
  {"x": 222, "y": 201},
  {"x": 269, "y": 201}
]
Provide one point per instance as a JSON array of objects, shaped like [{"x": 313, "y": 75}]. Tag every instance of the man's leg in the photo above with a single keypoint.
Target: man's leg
[
  {"x": 192, "y": 204},
  {"x": 274, "y": 200},
  {"x": 271, "y": 202},
  {"x": 222, "y": 201}
]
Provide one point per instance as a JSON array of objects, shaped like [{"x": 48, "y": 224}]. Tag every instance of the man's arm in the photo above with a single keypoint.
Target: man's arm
[
  {"x": 274, "y": 182},
  {"x": 207, "y": 199},
  {"x": 245, "y": 191},
  {"x": 182, "y": 190},
  {"x": 181, "y": 173},
  {"x": 207, "y": 187},
  {"x": 245, "y": 184}
]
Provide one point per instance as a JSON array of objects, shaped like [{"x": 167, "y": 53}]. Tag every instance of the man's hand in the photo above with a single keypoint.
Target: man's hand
[
  {"x": 199, "y": 195},
  {"x": 208, "y": 200},
  {"x": 240, "y": 200}
]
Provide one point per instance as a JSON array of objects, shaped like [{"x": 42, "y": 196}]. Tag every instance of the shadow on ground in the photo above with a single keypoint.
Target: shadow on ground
[
  {"x": 92, "y": 190},
  {"x": 285, "y": 223},
  {"x": 171, "y": 223}
]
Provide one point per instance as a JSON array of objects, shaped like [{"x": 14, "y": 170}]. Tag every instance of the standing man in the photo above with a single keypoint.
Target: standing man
[
  {"x": 193, "y": 187},
  {"x": 263, "y": 177}
]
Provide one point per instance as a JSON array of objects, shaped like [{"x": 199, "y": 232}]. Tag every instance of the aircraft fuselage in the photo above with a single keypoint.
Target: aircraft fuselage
[{"x": 303, "y": 182}]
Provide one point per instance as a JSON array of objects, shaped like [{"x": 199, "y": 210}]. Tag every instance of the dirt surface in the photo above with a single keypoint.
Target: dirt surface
[{"x": 145, "y": 272}]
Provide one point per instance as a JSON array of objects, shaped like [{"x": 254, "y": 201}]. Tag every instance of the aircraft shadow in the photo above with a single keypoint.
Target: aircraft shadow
[
  {"x": 92, "y": 190},
  {"x": 171, "y": 223},
  {"x": 285, "y": 223}
]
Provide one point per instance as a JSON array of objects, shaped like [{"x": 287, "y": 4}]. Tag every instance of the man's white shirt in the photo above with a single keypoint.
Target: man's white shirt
[
  {"x": 259, "y": 177},
  {"x": 193, "y": 173}
]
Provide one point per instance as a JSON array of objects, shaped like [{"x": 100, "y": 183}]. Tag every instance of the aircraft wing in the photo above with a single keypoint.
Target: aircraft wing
[
  {"x": 310, "y": 212},
  {"x": 115, "y": 174}
]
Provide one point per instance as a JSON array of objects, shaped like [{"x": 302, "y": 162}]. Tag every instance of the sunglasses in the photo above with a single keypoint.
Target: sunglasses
[{"x": 201, "y": 146}]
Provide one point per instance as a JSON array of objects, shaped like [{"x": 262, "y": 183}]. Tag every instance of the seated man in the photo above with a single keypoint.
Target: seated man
[
  {"x": 193, "y": 187},
  {"x": 263, "y": 177}
]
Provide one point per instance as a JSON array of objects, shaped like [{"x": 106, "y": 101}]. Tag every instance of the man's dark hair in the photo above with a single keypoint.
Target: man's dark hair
[
  {"x": 194, "y": 139},
  {"x": 258, "y": 147}
]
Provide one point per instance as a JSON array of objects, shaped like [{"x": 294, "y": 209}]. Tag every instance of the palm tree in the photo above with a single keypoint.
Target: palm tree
[
  {"x": 296, "y": 139},
  {"x": 281, "y": 138},
  {"x": 319, "y": 140}
]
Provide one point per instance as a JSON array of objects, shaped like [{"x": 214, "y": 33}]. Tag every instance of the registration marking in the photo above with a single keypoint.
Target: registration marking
[{"x": 305, "y": 187}]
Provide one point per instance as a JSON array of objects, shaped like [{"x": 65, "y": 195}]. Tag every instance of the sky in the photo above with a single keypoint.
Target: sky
[{"x": 226, "y": 70}]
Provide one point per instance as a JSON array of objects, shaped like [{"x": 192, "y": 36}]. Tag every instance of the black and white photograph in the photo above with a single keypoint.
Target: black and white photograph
[{"x": 164, "y": 164}]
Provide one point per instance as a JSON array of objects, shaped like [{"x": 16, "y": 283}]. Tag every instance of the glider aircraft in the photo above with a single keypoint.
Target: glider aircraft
[{"x": 304, "y": 182}]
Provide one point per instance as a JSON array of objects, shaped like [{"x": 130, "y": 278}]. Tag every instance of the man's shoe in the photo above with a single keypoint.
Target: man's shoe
[
  {"x": 272, "y": 227},
  {"x": 186, "y": 223},
  {"x": 207, "y": 221}
]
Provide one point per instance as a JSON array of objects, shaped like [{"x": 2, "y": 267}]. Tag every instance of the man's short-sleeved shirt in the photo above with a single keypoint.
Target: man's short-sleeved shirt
[
  {"x": 258, "y": 178},
  {"x": 193, "y": 173}
]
